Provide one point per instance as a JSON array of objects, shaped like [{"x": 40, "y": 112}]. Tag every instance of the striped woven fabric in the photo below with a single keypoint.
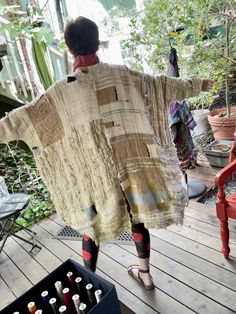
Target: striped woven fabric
[{"x": 102, "y": 141}]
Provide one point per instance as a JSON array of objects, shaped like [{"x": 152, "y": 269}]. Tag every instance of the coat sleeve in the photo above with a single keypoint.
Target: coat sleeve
[
  {"x": 180, "y": 89},
  {"x": 13, "y": 126}
]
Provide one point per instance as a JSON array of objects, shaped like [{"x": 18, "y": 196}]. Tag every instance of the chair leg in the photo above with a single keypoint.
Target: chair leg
[{"x": 224, "y": 233}]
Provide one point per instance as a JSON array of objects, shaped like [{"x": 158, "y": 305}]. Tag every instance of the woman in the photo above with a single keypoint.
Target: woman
[{"x": 103, "y": 147}]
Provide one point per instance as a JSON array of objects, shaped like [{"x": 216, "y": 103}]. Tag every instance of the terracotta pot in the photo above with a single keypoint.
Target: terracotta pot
[{"x": 224, "y": 127}]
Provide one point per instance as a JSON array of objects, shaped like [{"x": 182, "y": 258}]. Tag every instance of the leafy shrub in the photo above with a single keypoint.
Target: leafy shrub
[{"x": 18, "y": 167}]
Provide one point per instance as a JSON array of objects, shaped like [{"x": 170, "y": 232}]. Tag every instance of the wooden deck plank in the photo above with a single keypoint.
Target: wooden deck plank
[
  {"x": 117, "y": 272},
  {"x": 207, "y": 228},
  {"x": 157, "y": 300},
  {"x": 190, "y": 245},
  {"x": 168, "y": 284},
  {"x": 198, "y": 236},
  {"x": 196, "y": 263},
  {"x": 11, "y": 274},
  {"x": 32, "y": 270},
  {"x": 44, "y": 256},
  {"x": 211, "y": 219},
  {"x": 6, "y": 292},
  {"x": 49, "y": 228},
  {"x": 205, "y": 286}
]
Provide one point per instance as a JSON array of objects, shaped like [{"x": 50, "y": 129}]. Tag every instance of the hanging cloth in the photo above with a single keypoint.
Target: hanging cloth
[
  {"x": 181, "y": 122},
  {"x": 173, "y": 61}
]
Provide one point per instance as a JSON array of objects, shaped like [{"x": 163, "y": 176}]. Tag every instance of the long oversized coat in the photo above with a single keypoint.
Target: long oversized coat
[{"x": 101, "y": 139}]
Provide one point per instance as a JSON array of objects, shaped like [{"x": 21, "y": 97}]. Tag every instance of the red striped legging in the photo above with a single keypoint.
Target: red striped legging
[{"x": 141, "y": 238}]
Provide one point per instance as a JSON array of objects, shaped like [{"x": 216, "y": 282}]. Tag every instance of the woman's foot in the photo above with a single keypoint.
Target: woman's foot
[{"x": 141, "y": 275}]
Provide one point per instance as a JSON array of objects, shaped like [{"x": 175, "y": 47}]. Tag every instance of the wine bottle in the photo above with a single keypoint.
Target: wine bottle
[
  {"x": 45, "y": 297},
  {"x": 83, "y": 308},
  {"x": 79, "y": 284},
  {"x": 91, "y": 296},
  {"x": 76, "y": 301},
  {"x": 67, "y": 297},
  {"x": 59, "y": 288},
  {"x": 32, "y": 307},
  {"x": 98, "y": 295},
  {"x": 53, "y": 303},
  {"x": 63, "y": 310},
  {"x": 71, "y": 280}
]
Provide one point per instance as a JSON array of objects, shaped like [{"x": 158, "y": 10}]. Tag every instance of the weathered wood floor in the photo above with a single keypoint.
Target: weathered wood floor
[{"x": 190, "y": 273}]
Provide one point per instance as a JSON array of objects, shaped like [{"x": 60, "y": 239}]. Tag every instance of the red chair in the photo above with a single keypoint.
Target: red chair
[{"x": 226, "y": 206}]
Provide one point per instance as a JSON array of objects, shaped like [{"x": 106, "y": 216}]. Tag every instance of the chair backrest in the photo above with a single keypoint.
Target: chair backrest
[{"x": 232, "y": 154}]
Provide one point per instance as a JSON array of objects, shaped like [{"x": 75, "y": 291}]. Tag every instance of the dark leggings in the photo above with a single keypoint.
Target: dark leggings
[{"x": 141, "y": 238}]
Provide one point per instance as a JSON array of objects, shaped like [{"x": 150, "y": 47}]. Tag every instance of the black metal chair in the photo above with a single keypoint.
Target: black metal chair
[{"x": 10, "y": 210}]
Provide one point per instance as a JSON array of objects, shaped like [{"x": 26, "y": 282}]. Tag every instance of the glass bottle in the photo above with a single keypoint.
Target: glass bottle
[
  {"x": 76, "y": 301},
  {"x": 91, "y": 296},
  {"x": 53, "y": 303},
  {"x": 98, "y": 295},
  {"x": 32, "y": 307}
]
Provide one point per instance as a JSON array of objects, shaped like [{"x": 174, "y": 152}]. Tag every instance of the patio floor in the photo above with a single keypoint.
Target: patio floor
[{"x": 190, "y": 273}]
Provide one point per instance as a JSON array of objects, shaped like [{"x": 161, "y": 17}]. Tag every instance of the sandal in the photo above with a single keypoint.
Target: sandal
[{"x": 138, "y": 278}]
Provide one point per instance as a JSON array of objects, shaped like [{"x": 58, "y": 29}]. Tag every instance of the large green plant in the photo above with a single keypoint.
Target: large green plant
[
  {"x": 202, "y": 31},
  {"x": 21, "y": 175},
  {"x": 18, "y": 23}
]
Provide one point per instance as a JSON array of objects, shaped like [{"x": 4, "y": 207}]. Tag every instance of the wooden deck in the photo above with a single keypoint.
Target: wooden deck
[{"x": 190, "y": 273}]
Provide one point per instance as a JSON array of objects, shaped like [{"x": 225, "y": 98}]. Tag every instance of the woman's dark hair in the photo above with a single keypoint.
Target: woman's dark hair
[{"x": 81, "y": 36}]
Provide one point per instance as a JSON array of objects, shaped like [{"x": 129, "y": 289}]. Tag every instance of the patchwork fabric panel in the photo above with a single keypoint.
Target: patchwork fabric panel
[
  {"x": 127, "y": 149},
  {"x": 106, "y": 95},
  {"x": 46, "y": 121}
]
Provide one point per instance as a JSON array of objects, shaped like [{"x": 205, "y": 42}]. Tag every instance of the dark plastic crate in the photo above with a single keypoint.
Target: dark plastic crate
[{"x": 108, "y": 304}]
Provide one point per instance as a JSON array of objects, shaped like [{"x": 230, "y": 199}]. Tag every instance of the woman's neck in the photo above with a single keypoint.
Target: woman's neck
[{"x": 84, "y": 61}]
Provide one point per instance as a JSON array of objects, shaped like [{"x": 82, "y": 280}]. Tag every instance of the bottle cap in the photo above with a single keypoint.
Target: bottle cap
[
  {"x": 62, "y": 309},
  {"x": 31, "y": 304},
  {"x": 75, "y": 297},
  {"x": 52, "y": 300},
  {"x": 58, "y": 284},
  {"x": 44, "y": 294},
  {"x": 89, "y": 286},
  {"x": 65, "y": 290},
  {"x": 98, "y": 292},
  {"x": 78, "y": 279},
  {"x": 82, "y": 306},
  {"x": 39, "y": 312},
  {"x": 69, "y": 274}
]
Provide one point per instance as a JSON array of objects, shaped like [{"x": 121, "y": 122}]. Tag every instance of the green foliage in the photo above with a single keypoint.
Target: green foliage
[
  {"x": 21, "y": 175},
  {"x": 196, "y": 28},
  {"x": 23, "y": 23}
]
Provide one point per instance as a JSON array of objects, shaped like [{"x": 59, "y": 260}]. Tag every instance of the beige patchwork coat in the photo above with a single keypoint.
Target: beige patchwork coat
[{"x": 101, "y": 139}]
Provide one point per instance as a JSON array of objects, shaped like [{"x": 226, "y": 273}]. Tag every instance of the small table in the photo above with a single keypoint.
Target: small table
[{"x": 10, "y": 210}]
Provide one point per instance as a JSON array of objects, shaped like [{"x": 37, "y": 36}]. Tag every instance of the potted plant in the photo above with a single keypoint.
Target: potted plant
[
  {"x": 223, "y": 120},
  {"x": 203, "y": 33}
]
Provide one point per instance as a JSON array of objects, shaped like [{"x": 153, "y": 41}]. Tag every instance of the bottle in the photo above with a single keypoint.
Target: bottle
[
  {"x": 67, "y": 297},
  {"x": 59, "y": 288},
  {"x": 63, "y": 309},
  {"x": 98, "y": 295},
  {"x": 53, "y": 303},
  {"x": 83, "y": 308},
  {"x": 16, "y": 313},
  {"x": 45, "y": 297},
  {"x": 79, "y": 283},
  {"x": 76, "y": 301},
  {"x": 32, "y": 307},
  {"x": 91, "y": 296},
  {"x": 71, "y": 279},
  {"x": 39, "y": 312}
]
